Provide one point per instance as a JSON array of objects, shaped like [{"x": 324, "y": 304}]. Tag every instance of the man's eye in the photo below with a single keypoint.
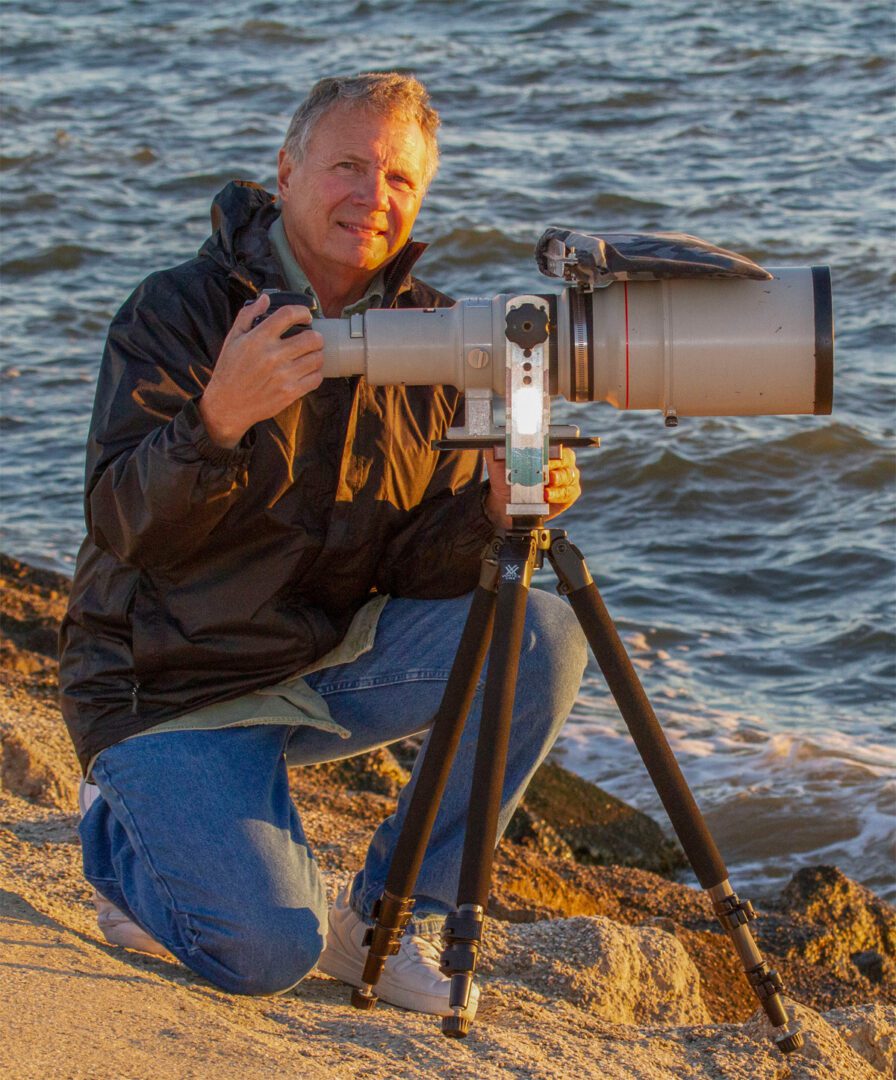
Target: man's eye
[{"x": 402, "y": 181}]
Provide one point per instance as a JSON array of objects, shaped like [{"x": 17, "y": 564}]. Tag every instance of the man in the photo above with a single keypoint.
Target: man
[{"x": 247, "y": 521}]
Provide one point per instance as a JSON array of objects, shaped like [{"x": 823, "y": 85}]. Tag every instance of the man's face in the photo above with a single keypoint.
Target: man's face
[{"x": 350, "y": 204}]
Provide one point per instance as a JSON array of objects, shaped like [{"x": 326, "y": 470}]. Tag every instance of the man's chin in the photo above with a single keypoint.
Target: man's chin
[{"x": 366, "y": 256}]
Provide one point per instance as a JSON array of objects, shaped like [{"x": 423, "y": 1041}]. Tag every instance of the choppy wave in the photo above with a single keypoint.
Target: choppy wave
[{"x": 774, "y": 801}]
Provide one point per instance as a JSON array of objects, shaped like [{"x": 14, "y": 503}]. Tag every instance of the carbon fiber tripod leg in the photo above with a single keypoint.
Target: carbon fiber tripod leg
[
  {"x": 463, "y": 928},
  {"x": 672, "y": 788},
  {"x": 393, "y": 910}
]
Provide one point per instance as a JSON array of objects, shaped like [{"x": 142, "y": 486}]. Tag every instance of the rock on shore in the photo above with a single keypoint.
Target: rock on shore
[{"x": 594, "y": 965}]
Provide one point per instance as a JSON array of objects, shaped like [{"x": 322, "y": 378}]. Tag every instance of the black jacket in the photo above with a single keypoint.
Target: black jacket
[{"x": 209, "y": 572}]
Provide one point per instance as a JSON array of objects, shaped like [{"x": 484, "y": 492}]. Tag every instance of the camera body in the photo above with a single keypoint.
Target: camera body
[{"x": 281, "y": 299}]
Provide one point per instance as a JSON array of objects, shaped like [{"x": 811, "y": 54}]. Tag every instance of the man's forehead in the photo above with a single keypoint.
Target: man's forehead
[{"x": 362, "y": 133}]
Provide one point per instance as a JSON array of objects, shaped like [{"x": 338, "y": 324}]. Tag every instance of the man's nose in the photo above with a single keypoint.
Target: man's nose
[{"x": 374, "y": 191}]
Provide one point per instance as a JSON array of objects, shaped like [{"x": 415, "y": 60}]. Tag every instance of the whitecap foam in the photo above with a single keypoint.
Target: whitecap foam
[{"x": 774, "y": 800}]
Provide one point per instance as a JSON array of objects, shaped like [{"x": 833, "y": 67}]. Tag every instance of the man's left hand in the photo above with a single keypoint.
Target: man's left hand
[{"x": 560, "y": 492}]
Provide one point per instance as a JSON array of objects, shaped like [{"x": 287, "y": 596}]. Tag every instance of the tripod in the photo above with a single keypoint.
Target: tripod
[{"x": 494, "y": 626}]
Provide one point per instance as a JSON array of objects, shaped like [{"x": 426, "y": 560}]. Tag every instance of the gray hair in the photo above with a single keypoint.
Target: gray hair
[{"x": 388, "y": 93}]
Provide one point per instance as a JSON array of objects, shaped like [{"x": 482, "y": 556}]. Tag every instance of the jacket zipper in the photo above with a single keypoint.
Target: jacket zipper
[{"x": 134, "y": 689}]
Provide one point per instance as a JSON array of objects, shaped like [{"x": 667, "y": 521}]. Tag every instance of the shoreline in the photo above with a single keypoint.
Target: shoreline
[{"x": 587, "y": 970}]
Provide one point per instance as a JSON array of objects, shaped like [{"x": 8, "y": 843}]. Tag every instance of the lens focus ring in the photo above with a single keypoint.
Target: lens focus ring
[{"x": 577, "y": 303}]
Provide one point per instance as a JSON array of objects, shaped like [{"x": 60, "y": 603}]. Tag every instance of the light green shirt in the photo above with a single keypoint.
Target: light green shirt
[
  {"x": 292, "y": 702},
  {"x": 298, "y": 281}
]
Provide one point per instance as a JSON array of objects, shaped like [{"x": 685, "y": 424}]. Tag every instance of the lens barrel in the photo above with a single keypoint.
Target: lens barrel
[
  {"x": 683, "y": 346},
  {"x": 702, "y": 347}
]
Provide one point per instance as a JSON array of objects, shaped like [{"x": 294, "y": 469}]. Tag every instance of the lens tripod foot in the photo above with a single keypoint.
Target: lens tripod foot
[
  {"x": 455, "y": 1027},
  {"x": 790, "y": 1041},
  {"x": 364, "y": 998}
]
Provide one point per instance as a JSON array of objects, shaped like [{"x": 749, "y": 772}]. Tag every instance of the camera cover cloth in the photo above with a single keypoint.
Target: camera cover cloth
[{"x": 600, "y": 259}]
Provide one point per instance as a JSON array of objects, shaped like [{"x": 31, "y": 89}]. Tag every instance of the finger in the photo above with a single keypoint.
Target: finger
[
  {"x": 289, "y": 381},
  {"x": 560, "y": 495},
  {"x": 310, "y": 363},
  {"x": 567, "y": 459},
  {"x": 563, "y": 471},
  {"x": 288, "y": 375},
  {"x": 298, "y": 346},
  {"x": 249, "y": 312},
  {"x": 309, "y": 382},
  {"x": 284, "y": 318},
  {"x": 562, "y": 477}
]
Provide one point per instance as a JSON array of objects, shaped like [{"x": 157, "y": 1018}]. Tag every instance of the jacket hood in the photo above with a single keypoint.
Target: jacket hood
[{"x": 241, "y": 215}]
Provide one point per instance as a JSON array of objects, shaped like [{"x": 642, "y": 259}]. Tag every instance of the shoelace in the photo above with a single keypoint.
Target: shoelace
[{"x": 428, "y": 947}]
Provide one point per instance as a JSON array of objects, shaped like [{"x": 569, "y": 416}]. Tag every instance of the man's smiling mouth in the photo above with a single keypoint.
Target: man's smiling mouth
[{"x": 361, "y": 230}]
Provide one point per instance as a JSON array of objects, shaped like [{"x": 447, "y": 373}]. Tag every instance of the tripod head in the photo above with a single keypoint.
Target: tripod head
[{"x": 527, "y": 440}]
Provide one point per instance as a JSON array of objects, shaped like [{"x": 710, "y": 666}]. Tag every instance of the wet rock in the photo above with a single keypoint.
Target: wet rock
[
  {"x": 598, "y": 828},
  {"x": 405, "y": 751},
  {"x": 531, "y": 831},
  {"x": 377, "y": 772},
  {"x": 32, "y": 603},
  {"x": 871, "y": 964},
  {"x": 840, "y": 924},
  {"x": 564, "y": 816}
]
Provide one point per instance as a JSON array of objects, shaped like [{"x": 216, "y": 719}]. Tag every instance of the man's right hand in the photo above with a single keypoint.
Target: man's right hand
[{"x": 258, "y": 374}]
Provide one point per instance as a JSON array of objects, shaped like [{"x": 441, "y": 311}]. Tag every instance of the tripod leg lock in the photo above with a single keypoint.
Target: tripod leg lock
[
  {"x": 765, "y": 981},
  {"x": 392, "y": 914},
  {"x": 461, "y": 938},
  {"x": 732, "y": 912}
]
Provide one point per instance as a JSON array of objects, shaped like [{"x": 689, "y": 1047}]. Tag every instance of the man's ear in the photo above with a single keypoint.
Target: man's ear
[{"x": 285, "y": 165}]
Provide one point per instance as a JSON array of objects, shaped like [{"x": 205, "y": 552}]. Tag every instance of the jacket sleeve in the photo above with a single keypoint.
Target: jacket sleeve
[
  {"x": 156, "y": 485},
  {"x": 437, "y": 554}
]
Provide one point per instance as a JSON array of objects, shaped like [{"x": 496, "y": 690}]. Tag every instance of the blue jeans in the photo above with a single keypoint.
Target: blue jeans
[{"x": 196, "y": 836}]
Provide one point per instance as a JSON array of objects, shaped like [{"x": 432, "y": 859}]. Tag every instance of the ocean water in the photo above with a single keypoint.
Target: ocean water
[{"x": 748, "y": 562}]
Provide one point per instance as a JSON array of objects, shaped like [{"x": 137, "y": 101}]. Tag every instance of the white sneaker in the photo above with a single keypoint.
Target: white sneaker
[
  {"x": 117, "y": 928},
  {"x": 411, "y": 979}
]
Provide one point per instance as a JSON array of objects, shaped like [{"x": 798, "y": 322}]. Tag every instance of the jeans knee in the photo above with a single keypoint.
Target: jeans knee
[
  {"x": 555, "y": 644},
  {"x": 266, "y": 957}
]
